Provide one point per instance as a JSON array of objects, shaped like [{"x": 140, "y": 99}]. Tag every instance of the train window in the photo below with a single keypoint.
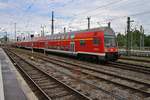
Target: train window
[
  {"x": 96, "y": 41},
  {"x": 52, "y": 37},
  {"x": 82, "y": 42},
  {"x": 67, "y": 36},
  {"x": 58, "y": 37},
  {"x": 72, "y": 36},
  {"x": 110, "y": 41},
  {"x": 55, "y": 37},
  {"x": 49, "y": 37},
  {"x": 63, "y": 36}
]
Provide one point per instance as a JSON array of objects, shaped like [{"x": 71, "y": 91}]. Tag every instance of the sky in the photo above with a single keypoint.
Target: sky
[{"x": 29, "y": 15}]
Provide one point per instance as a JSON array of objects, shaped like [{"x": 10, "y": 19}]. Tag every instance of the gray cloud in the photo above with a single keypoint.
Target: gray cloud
[{"x": 30, "y": 14}]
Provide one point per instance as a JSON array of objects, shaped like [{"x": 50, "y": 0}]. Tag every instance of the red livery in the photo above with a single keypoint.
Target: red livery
[{"x": 98, "y": 42}]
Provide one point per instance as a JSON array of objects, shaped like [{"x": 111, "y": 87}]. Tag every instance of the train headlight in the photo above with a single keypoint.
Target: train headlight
[
  {"x": 111, "y": 50},
  {"x": 106, "y": 50}
]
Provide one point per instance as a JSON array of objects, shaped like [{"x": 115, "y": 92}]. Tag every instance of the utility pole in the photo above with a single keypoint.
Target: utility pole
[
  {"x": 42, "y": 30},
  {"x": 128, "y": 32},
  {"x": 52, "y": 27},
  {"x": 129, "y": 36},
  {"x": 141, "y": 36},
  {"x": 64, "y": 29},
  {"x": 88, "y": 18},
  {"x": 6, "y": 39},
  {"x": 15, "y": 31},
  {"x": 109, "y": 24}
]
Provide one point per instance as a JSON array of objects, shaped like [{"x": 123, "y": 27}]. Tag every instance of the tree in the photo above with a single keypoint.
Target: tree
[
  {"x": 121, "y": 39},
  {"x": 147, "y": 41},
  {"x": 4, "y": 39},
  {"x": 135, "y": 38}
]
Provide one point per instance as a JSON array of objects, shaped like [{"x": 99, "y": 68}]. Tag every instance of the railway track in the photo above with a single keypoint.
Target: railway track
[
  {"x": 111, "y": 95},
  {"x": 134, "y": 59},
  {"x": 139, "y": 86},
  {"x": 47, "y": 86},
  {"x": 91, "y": 70},
  {"x": 133, "y": 67}
]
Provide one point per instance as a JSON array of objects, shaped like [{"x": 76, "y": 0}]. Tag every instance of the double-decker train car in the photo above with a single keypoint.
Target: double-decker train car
[{"x": 99, "y": 43}]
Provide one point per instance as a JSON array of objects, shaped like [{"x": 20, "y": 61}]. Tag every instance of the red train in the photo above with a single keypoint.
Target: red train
[{"x": 99, "y": 43}]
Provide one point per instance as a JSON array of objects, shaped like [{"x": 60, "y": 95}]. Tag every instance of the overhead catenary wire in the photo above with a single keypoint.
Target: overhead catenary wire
[
  {"x": 89, "y": 11},
  {"x": 135, "y": 14},
  {"x": 100, "y": 7},
  {"x": 80, "y": 14},
  {"x": 27, "y": 9},
  {"x": 109, "y": 4}
]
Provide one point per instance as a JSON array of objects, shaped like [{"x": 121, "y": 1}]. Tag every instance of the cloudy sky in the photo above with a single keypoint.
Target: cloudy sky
[{"x": 72, "y": 14}]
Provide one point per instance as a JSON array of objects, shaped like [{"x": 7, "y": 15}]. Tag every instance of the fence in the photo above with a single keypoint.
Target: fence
[{"x": 144, "y": 53}]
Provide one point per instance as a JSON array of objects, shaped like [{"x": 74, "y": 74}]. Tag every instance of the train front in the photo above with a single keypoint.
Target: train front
[{"x": 110, "y": 43}]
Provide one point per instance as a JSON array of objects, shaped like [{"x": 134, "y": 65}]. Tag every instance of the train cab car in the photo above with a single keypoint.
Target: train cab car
[
  {"x": 110, "y": 45},
  {"x": 98, "y": 42}
]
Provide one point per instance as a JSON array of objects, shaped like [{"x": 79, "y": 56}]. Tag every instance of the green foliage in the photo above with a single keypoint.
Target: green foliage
[
  {"x": 121, "y": 39},
  {"x": 136, "y": 38},
  {"x": 4, "y": 39},
  {"x": 147, "y": 41}
]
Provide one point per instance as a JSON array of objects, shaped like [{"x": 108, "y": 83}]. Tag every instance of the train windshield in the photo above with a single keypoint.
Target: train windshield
[{"x": 110, "y": 41}]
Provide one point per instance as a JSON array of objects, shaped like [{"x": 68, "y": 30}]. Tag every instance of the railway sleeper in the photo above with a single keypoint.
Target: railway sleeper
[
  {"x": 40, "y": 78},
  {"x": 48, "y": 87},
  {"x": 60, "y": 94}
]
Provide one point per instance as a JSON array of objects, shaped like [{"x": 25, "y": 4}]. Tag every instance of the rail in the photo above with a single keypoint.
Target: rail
[{"x": 36, "y": 75}]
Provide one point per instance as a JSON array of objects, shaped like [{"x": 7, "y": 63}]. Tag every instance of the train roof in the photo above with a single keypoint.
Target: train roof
[
  {"x": 106, "y": 30},
  {"x": 102, "y": 29}
]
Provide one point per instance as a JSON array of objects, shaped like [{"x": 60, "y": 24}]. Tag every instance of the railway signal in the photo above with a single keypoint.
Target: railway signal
[
  {"x": 52, "y": 27},
  {"x": 88, "y": 18},
  {"x": 32, "y": 36},
  {"x": 15, "y": 31},
  {"x": 129, "y": 36},
  {"x": 43, "y": 30},
  {"x": 64, "y": 29},
  {"x": 109, "y": 24}
]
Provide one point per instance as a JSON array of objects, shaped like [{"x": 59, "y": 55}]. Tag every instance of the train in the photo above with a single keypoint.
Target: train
[{"x": 96, "y": 43}]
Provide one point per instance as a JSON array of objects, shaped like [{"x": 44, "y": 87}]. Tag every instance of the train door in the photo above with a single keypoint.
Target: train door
[{"x": 72, "y": 46}]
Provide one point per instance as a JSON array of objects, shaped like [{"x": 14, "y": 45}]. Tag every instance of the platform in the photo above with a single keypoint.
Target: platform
[{"x": 10, "y": 87}]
